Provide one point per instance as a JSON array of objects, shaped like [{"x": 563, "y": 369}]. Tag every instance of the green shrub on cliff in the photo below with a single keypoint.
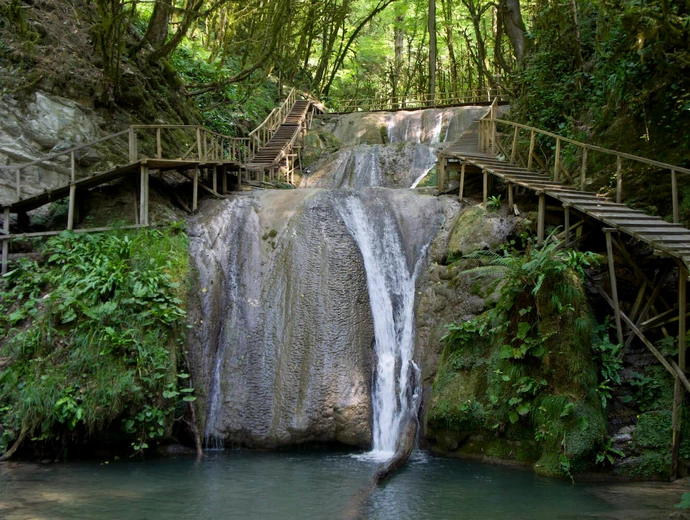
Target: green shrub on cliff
[
  {"x": 93, "y": 335},
  {"x": 534, "y": 365}
]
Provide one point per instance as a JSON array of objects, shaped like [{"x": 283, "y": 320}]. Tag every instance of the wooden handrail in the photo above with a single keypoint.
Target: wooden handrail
[
  {"x": 381, "y": 103},
  {"x": 488, "y": 140},
  {"x": 60, "y": 154}
]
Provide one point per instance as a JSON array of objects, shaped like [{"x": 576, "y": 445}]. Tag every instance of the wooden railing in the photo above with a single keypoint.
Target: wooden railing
[
  {"x": 192, "y": 143},
  {"x": 521, "y": 138},
  {"x": 425, "y": 100}
]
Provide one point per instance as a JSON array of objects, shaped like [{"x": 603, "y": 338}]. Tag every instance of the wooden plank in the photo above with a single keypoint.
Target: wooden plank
[
  {"x": 541, "y": 216},
  {"x": 462, "y": 181},
  {"x": 677, "y": 390},
  {"x": 5, "y": 243},
  {"x": 658, "y": 230},
  {"x": 674, "y": 196},
  {"x": 144, "y": 196}
]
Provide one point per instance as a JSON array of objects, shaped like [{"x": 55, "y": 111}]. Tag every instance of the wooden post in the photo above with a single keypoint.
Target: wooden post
[
  {"x": 462, "y": 181},
  {"x": 159, "y": 146},
  {"x": 531, "y": 150},
  {"x": 674, "y": 191},
  {"x": 557, "y": 160},
  {"x": 486, "y": 186},
  {"x": 71, "y": 211},
  {"x": 133, "y": 152},
  {"x": 72, "y": 194},
  {"x": 493, "y": 132},
  {"x": 614, "y": 286},
  {"x": 678, "y": 390},
  {"x": 195, "y": 190},
  {"x": 224, "y": 179},
  {"x": 441, "y": 181},
  {"x": 215, "y": 179},
  {"x": 541, "y": 218},
  {"x": 144, "y": 196},
  {"x": 511, "y": 197},
  {"x": 5, "y": 242},
  {"x": 198, "y": 143},
  {"x": 513, "y": 151},
  {"x": 583, "y": 172},
  {"x": 566, "y": 211},
  {"x": 619, "y": 179}
]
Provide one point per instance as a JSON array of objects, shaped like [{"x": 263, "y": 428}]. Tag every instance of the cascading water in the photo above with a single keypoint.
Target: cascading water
[
  {"x": 402, "y": 157},
  {"x": 391, "y": 285}
]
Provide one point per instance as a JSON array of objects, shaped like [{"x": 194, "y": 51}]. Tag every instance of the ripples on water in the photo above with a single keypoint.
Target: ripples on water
[{"x": 285, "y": 485}]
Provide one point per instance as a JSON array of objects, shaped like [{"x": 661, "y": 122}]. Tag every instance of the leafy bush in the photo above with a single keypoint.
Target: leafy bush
[{"x": 93, "y": 335}]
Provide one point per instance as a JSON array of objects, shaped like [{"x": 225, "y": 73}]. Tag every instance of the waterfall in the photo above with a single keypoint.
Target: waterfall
[{"x": 391, "y": 285}]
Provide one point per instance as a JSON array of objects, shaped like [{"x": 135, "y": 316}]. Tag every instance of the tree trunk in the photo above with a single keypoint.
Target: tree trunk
[
  {"x": 399, "y": 34},
  {"x": 514, "y": 26},
  {"x": 157, "y": 28},
  {"x": 191, "y": 13},
  {"x": 432, "y": 51},
  {"x": 447, "y": 8}
]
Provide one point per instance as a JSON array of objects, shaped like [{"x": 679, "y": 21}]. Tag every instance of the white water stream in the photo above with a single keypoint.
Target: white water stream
[{"x": 391, "y": 295}]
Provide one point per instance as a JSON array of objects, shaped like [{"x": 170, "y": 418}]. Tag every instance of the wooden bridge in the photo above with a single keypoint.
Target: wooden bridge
[
  {"x": 493, "y": 152},
  {"x": 206, "y": 158}
]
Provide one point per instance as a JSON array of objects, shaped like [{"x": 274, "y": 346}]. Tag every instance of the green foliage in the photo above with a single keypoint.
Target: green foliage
[
  {"x": 654, "y": 429},
  {"x": 684, "y": 502},
  {"x": 532, "y": 363},
  {"x": 92, "y": 335},
  {"x": 233, "y": 108},
  {"x": 494, "y": 203}
]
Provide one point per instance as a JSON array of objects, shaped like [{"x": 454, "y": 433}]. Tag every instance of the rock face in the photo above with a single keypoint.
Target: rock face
[
  {"x": 282, "y": 341},
  {"x": 478, "y": 229},
  {"x": 45, "y": 125}
]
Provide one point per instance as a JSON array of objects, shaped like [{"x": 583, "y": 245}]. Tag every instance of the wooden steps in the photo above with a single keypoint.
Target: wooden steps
[{"x": 271, "y": 154}]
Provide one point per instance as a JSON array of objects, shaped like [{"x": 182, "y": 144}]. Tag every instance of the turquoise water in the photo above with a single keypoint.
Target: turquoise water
[{"x": 306, "y": 485}]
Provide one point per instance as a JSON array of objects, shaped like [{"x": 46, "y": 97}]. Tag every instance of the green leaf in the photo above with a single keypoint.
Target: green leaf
[
  {"x": 189, "y": 398},
  {"x": 506, "y": 352},
  {"x": 523, "y": 409},
  {"x": 513, "y": 416}
]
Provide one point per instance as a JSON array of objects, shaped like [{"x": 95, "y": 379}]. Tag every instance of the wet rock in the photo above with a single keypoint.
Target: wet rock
[{"x": 282, "y": 345}]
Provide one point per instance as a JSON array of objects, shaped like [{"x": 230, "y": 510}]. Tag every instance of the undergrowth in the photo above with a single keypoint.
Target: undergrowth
[
  {"x": 536, "y": 367},
  {"x": 93, "y": 336}
]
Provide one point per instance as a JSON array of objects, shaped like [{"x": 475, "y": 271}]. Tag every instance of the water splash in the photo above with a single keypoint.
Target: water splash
[{"x": 391, "y": 285}]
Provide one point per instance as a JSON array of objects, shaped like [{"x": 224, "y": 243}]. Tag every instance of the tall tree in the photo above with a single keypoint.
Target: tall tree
[{"x": 432, "y": 51}]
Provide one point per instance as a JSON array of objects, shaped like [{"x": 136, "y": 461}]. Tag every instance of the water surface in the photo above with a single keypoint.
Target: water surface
[{"x": 306, "y": 485}]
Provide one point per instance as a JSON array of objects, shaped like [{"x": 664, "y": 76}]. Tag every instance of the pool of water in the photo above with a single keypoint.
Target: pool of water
[{"x": 306, "y": 485}]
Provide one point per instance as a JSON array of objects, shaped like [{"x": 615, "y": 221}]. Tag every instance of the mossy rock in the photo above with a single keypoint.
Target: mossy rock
[{"x": 476, "y": 229}]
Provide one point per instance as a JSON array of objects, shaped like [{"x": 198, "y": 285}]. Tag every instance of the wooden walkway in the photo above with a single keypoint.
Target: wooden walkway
[
  {"x": 203, "y": 154},
  {"x": 670, "y": 239}
]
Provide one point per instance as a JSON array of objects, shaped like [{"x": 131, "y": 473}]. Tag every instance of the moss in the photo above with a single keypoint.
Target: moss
[
  {"x": 383, "y": 130},
  {"x": 654, "y": 430}
]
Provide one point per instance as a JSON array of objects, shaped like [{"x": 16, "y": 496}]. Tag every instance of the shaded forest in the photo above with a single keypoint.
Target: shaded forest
[{"x": 614, "y": 73}]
